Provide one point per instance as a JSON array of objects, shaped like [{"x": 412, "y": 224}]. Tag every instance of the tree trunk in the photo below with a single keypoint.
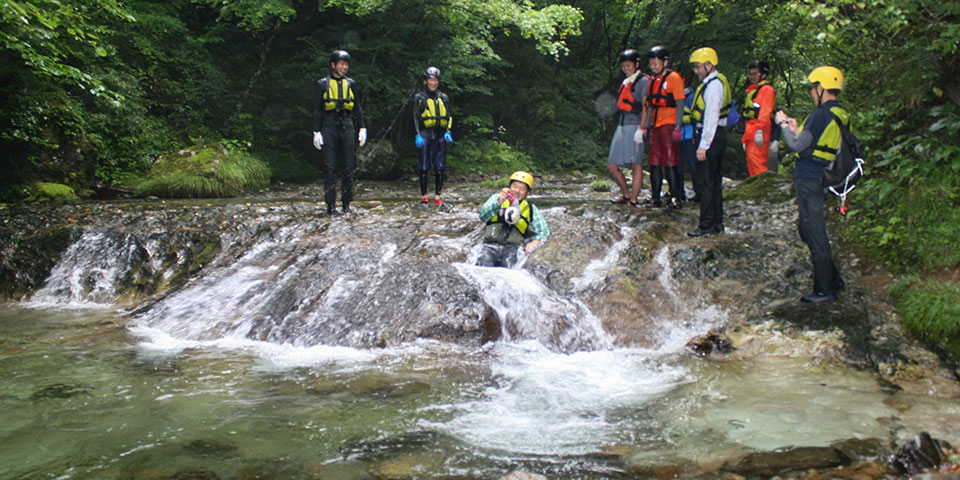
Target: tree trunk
[{"x": 264, "y": 51}]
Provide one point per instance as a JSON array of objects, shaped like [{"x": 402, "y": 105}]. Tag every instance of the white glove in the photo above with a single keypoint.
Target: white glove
[
  {"x": 638, "y": 136},
  {"x": 758, "y": 138},
  {"x": 362, "y": 136},
  {"x": 318, "y": 140},
  {"x": 744, "y": 145}
]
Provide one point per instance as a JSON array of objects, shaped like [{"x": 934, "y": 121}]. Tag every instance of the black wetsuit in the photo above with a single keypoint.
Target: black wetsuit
[
  {"x": 339, "y": 128},
  {"x": 434, "y": 152}
]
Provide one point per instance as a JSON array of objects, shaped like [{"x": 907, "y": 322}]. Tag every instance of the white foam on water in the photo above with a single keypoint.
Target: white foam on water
[
  {"x": 689, "y": 317},
  {"x": 157, "y": 342},
  {"x": 596, "y": 271},
  {"x": 528, "y": 310},
  {"x": 548, "y": 403}
]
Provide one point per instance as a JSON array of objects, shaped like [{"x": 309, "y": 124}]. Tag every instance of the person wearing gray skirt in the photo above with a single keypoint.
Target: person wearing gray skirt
[{"x": 626, "y": 148}]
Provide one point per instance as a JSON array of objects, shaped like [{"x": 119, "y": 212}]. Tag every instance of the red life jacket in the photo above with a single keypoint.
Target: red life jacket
[
  {"x": 626, "y": 102},
  {"x": 657, "y": 93}
]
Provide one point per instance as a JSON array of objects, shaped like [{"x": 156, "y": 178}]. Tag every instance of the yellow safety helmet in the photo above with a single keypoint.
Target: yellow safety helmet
[
  {"x": 830, "y": 78},
  {"x": 704, "y": 55},
  {"x": 523, "y": 177}
]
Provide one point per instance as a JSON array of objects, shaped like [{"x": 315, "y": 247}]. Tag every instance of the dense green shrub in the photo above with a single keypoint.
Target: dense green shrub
[
  {"x": 930, "y": 311},
  {"x": 290, "y": 167},
  {"x": 496, "y": 183},
  {"x": 906, "y": 211},
  {"x": 487, "y": 156}
]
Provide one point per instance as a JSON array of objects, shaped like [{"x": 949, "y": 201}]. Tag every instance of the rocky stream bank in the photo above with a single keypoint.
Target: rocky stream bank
[{"x": 630, "y": 267}]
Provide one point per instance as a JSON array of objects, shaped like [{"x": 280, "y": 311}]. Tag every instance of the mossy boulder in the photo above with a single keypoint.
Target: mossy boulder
[
  {"x": 767, "y": 187},
  {"x": 51, "y": 192},
  {"x": 378, "y": 160},
  {"x": 204, "y": 171}
]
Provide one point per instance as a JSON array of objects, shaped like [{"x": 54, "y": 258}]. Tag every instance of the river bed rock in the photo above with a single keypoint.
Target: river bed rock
[{"x": 393, "y": 271}]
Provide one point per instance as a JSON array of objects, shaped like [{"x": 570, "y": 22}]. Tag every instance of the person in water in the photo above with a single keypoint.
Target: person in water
[{"x": 511, "y": 222}]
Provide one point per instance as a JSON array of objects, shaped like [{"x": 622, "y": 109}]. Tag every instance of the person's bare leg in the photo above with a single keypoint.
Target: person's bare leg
[
  {"x": 637, "y": 182},
  {"x": 619, "y": 179}
]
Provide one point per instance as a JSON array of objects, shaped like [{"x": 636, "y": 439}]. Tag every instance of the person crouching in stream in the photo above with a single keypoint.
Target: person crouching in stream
[{"x": 511, "y": 222}]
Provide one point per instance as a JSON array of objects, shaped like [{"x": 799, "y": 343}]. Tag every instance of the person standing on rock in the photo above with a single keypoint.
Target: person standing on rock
[
  {"x": 711, "y": 104},
  {"x": 511, "y": 222},
  {"x": 816, "y": 142},
  {"x": 337, "y": 125},
  {"x": 432, "y": 120},
  {"x": 758, "y": 111},
  {"x": 626, "y": 147},
  {"x": 664, "y": 95}
]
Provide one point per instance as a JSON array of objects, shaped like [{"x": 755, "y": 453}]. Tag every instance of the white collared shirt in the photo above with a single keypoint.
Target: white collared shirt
[{"x": 712, "y": 102}]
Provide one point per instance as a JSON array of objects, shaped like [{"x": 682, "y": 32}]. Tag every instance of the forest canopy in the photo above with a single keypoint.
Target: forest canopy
[{"x": 96, "y": 90}]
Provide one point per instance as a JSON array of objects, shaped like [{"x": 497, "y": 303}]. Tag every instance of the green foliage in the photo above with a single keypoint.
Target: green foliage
[
  {"x": 930, "y": 310},
  {"x": 907, "y": 208},
  {"x": 496, "y": 183},
  {"x": 601, "y": 185},
  {"x": 487, "y": 156},
  {"x": 205, "y": 171},
  {"x": 49, "y": 36},
  {"x": 290, "y": 167}
]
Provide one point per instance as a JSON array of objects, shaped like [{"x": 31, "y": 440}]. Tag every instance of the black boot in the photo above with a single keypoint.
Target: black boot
[
  {"x": 656, "y": 182},
  {"x": 676, "y": 184}
]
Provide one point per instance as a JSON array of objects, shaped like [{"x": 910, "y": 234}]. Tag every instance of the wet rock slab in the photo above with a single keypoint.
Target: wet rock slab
[{"x": 792, "y": 459}]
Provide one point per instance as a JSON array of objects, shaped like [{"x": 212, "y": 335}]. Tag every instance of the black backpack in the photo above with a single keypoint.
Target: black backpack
[{"x": 841, "y": 175}]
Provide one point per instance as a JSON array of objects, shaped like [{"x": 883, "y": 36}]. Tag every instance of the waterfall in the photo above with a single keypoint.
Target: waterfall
[
  {"x": 686, "y": 316},
  {"x": 91, "y": 271},
  {"x": 528, "y": 310},
  {"x": 353, "y": 283}
]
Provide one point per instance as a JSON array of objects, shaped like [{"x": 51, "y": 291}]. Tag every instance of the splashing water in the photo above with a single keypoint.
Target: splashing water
[
  {"x": 528, "y": 310},
  {"x": 89, "y": 271}
]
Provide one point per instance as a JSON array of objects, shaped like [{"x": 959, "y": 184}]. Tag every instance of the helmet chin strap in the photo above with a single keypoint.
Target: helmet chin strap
[{"x": 819, "y": 95}]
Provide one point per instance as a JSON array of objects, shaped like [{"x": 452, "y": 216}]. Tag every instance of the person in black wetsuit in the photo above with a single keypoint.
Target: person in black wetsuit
[
  {"x": 338, "y": 125},
  {"x": 432, "y": 120}
]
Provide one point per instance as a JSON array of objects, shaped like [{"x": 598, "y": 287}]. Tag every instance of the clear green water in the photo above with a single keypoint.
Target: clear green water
[{"x": 85, "y": 398}]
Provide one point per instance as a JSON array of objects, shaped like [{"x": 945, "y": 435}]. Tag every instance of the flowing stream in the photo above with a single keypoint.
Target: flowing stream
[{"x": 271, "y": 362}]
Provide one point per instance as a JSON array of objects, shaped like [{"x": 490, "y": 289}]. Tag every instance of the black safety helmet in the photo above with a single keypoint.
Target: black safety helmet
[
  {"x": 764, "y": 67},
  {"x": 630, "y": 54},
  {"x": 431, "y": 72},
  {"x": 338, "y": 55},
  {"x": 660, "y": 52}
]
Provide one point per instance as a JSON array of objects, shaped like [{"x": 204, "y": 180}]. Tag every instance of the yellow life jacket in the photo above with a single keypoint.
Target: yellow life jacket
[
  {"x": 338, "y": 96},
  {"x": 826, "y": 146},
  {"x": 435, "y": 113},
  {"x": 498, "y": 231},
  {"x": 751, "y": 109},
  {"x": 696, "y": 111}
]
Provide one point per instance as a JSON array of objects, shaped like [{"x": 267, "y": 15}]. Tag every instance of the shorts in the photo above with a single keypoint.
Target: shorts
[
  {"x": 623, "y": 151},
  {"x": 663, "y": 152}
]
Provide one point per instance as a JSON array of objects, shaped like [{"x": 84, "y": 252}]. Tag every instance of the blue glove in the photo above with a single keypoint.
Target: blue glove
[
  {"x": 448, "y": 138},
  {"x": 419, "y": 141}
]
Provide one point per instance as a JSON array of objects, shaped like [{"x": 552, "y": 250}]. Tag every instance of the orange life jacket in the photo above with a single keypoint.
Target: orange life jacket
[
  {"x": 657, "y": 93},
  {"x": 626, "y": 102}
]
